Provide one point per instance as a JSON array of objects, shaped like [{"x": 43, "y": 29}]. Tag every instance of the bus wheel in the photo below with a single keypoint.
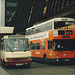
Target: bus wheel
[
  {"x": 3, "y": 62},
  {"x": 45, "y": 59},
  {"x": 29, "y": 65}
]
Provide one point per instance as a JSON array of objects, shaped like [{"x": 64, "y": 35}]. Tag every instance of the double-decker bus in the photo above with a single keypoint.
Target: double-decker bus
[
  {"x": 53, "y": 40},
  {"x": 15, "y": 51}
]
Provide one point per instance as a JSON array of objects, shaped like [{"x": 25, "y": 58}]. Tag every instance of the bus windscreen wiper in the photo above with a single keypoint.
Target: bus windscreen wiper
[
  {"x": 9, "y": 48},
  {"x": 26, "y": 48}
]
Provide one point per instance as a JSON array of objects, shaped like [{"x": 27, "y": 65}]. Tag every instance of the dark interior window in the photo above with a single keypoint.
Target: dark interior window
[
  {"x": 33, "y": 46},
  {"x": 49, "y": 44},
  {"x": 37, "y": 46},
  {"x": 61, "y": 24},
  {"x": 61, "y": 32}
]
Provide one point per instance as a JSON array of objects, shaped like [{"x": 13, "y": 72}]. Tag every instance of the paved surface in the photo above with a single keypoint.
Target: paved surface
[
  {"x": 39, "y": 69},
  {"x": 3, "y": 72}
]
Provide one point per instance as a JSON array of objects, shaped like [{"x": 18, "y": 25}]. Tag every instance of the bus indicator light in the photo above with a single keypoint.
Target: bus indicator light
[
  {"x": 57, "y": 56},
  {"x": 56, "y": 53}
]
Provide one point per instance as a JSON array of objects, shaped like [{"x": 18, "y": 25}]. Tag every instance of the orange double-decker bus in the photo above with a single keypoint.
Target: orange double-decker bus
[{"x": 53, "y": 40}]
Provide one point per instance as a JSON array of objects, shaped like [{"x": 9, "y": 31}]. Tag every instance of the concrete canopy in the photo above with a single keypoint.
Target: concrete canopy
[{"x": 6, "y": 30}]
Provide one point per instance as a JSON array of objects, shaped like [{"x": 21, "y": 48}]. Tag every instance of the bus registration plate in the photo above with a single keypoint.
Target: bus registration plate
[
  {"x": 19, "y": 64},
  {"x": 67, "y": 60}
]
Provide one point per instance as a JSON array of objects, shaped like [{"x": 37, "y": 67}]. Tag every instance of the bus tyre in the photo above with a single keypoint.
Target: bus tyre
[
  {"x": 3, "y": 62},
  {"x": 45, "y": 59},
  {"x": 29, "y": 65}
]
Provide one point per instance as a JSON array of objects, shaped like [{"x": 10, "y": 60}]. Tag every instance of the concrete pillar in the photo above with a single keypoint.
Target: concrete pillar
[{"x": 2, "y": 13}]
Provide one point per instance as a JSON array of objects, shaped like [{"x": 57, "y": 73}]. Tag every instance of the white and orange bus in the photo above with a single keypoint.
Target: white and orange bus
[
  {"x": 53, "y": 40},
  {"x": 15, "y": 51}
]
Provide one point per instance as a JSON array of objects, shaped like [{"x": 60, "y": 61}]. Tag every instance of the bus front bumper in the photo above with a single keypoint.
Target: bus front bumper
[
  {"x": 62, "y": 60},
  {"x": 19, "y": 63}
]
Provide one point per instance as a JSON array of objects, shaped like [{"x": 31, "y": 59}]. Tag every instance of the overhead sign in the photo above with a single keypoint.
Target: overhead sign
[{"x": 69, "y": 23}]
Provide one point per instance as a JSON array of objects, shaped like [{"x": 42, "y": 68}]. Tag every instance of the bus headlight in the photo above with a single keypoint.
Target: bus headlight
[
  {"x": 29, "y": 58},
  {"x": 57, "y": 56},
  {"x": 57, "y": 59}
]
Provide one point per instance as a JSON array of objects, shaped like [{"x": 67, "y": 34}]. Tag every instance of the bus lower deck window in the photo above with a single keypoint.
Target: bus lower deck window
[
  {"x": 33, "y": 46},
  {"x": 37, "y": 46},
  {"x": 49, "y": 44}
]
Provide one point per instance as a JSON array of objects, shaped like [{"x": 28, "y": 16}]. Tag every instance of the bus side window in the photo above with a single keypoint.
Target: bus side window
[
  {"x": 30, "y": 46},
  {"x": 0, "y": 45},
  {"x": 38, "y": 46},
  {"x": 33, "y": 46},
  {"x": 49, "y": 44}
]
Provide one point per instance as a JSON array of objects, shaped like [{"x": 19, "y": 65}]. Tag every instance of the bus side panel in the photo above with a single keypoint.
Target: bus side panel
[
  {"x": 35, "y": 52},
  {"x": 51, "y": 36},
  {"x": 3, "y": 55}
]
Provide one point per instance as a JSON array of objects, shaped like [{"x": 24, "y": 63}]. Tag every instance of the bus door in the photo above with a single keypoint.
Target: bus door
[
  {"x": 38, "y": 50},
  {"x": 2, "y": 49},
  {"x": 50, "y": 48},
  {"x": 43, "y": 47},
  {"x": 32, "y": 47}
]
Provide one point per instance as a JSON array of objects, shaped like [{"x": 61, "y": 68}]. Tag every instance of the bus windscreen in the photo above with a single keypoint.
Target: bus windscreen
[
  {"x": 64, "y": 45},
  {"x": 16, "y": 45}
]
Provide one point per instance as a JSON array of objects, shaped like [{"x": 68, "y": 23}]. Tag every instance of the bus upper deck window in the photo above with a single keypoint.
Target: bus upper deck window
[{"x": 69, "y": 32}]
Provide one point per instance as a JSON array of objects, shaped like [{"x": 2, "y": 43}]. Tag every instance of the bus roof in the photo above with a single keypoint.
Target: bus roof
[{"x": 54, "y": 19}]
